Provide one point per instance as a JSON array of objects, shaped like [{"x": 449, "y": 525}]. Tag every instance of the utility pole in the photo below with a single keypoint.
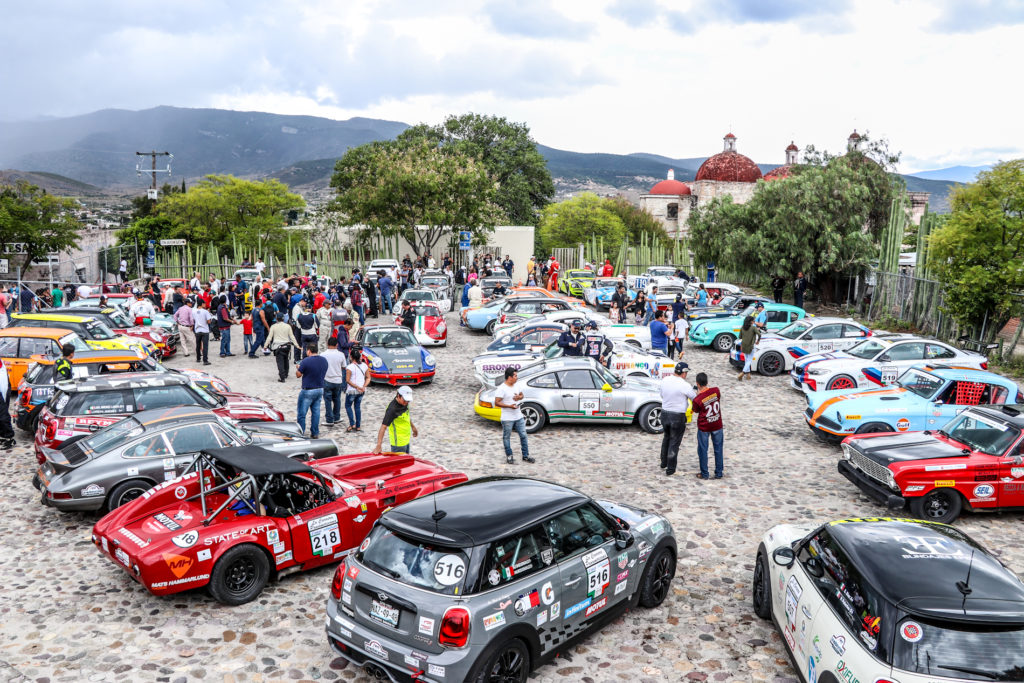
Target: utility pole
[{"x": 152, "y": 193}]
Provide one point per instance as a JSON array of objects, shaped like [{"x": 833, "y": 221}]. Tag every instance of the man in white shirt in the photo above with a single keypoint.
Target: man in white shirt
[
  {"x": 123, "y": 270},
  {"x": 507, "y": 398},
  {"x": 84, "y": 291},
  {"x": 260, "y": 265},
  {"x": 194, "y": 284},
  {"x": 676, "y": 394},
  {"x": 334, "y": 380},
  {"x": 141, "y": 307}
]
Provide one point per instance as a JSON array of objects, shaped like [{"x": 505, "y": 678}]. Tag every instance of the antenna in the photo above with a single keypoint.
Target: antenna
[{"x": 964, "y": 586}]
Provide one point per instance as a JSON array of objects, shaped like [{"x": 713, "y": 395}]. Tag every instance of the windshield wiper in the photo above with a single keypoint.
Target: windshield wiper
[
  {"x": 994, "y": 675},
  {"x": 390, "y": 572}
]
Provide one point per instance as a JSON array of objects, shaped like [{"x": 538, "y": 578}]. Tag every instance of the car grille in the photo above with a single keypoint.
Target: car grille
[
  {"x": 74, "y": 453},
  {"x": 879, "y": 473}
]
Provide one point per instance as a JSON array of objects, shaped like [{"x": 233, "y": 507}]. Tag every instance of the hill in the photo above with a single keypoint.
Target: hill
[
  {"x": 959, "y": 174},
  {"x": 51, "y": 182}
]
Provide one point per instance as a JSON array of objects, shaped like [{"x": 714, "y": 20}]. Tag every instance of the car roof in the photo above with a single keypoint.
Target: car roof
[
  {"x": 54, "y": 317},
  {"x": 1010, "y": 413},
  {"x": 514, "y": 504},
  {"x": 829, "y": 320},
  {"x": 890, "y": 553},
  {"x": 88, "y": 309},
  {"x": 134, "y": 380},
  {"x": 963, "y": 374},
  {"x": 180, "y": 415},
  {"x": 256, "y": 460},
  {"x": 97, "y": 356},
  {"x": 35, "y": 332}
]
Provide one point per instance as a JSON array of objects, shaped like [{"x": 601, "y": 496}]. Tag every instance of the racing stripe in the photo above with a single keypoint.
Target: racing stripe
[{"x": 874, "y": 392}]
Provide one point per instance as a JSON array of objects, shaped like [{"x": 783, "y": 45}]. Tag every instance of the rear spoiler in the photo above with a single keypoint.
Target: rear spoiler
[{"x": 485, "y": 381}]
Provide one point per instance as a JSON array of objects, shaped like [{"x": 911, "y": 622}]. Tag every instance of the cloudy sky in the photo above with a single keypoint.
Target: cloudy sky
[{"x": 937, "y": 78}]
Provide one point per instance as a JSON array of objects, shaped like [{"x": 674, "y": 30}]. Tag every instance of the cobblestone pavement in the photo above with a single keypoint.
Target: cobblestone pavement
[{"x": 68, "y": 615}]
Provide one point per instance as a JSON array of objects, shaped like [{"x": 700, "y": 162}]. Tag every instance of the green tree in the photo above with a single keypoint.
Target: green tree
[
  {"x": 637, "y": 221},
  {"x": 40, "y": 221},
  {"x": 394, "y": 187},
  {"x": 573, "y": 221},
  {"x": 506, "y": 151},
  {"x": 978, "y": 253}
]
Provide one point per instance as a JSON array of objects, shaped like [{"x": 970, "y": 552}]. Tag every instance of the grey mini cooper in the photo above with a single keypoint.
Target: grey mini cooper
[{"x": 485, "y": 580}]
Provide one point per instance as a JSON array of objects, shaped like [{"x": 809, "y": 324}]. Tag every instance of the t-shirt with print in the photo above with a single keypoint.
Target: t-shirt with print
[
  {"x": 506, "y": 394},
  {"x": 708, "y": 405}
]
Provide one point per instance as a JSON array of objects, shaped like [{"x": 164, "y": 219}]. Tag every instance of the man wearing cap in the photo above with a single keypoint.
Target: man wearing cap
[
  {"x": 397, "y": 423},
  {"x": 760, "y": 317},
  {"x": 676, "y": 394},
  {"x": 141, "y": 307},
  {"x": 571, "y": 341}
]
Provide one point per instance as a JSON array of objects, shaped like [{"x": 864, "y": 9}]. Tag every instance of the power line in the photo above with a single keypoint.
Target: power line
[{"x": 154, "y": 154}]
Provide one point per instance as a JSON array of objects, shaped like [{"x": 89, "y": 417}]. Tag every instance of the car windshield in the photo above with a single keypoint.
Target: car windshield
[
  {"x": 960, "y": 651},
  {"x": 390, "y": 338},
  {"x": 75, "y": 341},
  {"x": 240, "y": 434},
  {"x": 432, "y": 567},
  {"x": 425, "y": 310},
  {"x": 120, "y": 318},
  {"x": 418, "y": 296},
  {"x": 867, "y": 349},
  {"x": 552, "y": 350},
  {"x": 728, "y": 301},
  {"x": 494, "y": 281},
  {"x": 980, "y": 432},
  {"x": 440, "y": 281},
  {"x": 795, "y": 330},
  {"x": 662, "y": 272},
  {"x": 920, "y": 383},
  {"x": 207, "y": 397},
  {"x": 98, "y": 330},
  {"x": 582, "y": 274},
  {"x": 608, "y": 377},
  {"x": 749, "y": 310},
  {"x": 669, "y": 289},
  {"x": 115, "y": 435},
  {"x": 606, "y": 282},
  {"x": 691, "y": 290}
]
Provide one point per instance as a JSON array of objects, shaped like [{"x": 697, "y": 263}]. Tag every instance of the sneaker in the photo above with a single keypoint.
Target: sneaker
[
  {"x": 701, "y": 476},
  {"x": 509, "y": 460},
  {"x": 669, "y": 473},
  {"x": 528, "y": 459},
  {"x": 719, "y": 476}
]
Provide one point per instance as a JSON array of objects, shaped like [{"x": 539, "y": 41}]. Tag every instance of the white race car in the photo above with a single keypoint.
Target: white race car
[
  {"x": 624, "y": 360},
  {"x": 415, "y": 295},
  {"x": 776, "y": 353},
  {"x": 882, "y": 600},
  {"x": 640, "y": 282},
  {"x": 635, "y": 335},
  {"x": 877, "y": 361}
]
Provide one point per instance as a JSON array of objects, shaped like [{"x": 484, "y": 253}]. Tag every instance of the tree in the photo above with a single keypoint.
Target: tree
[
  {"x": 569, "y": 223},
  {"x": 636, "y": 221},
  {"x": 505, "y": 150},
  {"x": 40, "y": 221},
  {"x": 978, "y": 253},
  {"x": 395, "y": 187}
]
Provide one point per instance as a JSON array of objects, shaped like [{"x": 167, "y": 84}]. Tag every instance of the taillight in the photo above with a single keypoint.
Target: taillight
[
  {"x": 454, "y": 627},
  {"x": 886, "y": 680},
  {"x": 339, "y": 580},
  {"x": 26, "y": 396},
  {"x": 984, "y": 365},
  {"x": 502, "y": 318},
  {"x": 50, "y": 431}
]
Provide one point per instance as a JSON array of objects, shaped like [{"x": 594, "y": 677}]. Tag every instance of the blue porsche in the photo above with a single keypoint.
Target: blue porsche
[
  {"x": 600, "y": 293},
  {"x": 394, "y": 355}
]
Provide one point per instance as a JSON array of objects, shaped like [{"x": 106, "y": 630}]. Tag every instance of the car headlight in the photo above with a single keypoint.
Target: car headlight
[
  {"x": 429, "y": 359},
  {"x": 441, "y": 327},
  {"x": 376, "y": 362},
  {"x": 817, "y": 371},
  {"x": 846, "y": 452}
]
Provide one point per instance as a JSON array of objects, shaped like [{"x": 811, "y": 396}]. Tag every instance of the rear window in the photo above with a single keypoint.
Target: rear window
[
  {"x": 959, "y": 651},
  {"x": 422, "y": 565},
  {"x": 114, "y": 435},
  {"x": 95, "y": 403},
  {"x": 39, "y": 374}
]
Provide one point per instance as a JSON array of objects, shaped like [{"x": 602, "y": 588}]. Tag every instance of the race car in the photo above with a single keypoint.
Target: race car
[
  {"x": 394, "y": 355},
  {"x": 239, "y": 516},
  {"x": 119, "y": 321},
  {"x": 442, "y": 287},
  {"x": 922, "y": 398},
  {"x": 721, "y": 333},
  {"x": 490, "y": 282},
  {"x": 599, "y": 294},
  {"x": 462, "y": 596},
  {"x": 776, "y": 353},
  {"x": 519, "y": 309},
  {"x": 877, "y": 361},
  {"x": 971, "y": 463},
  {"x": 640, "y": 282},
  {"x": 575, "y": 282},
  {"x": 532, "y": 335},
  {"x": 578, "y": 389},
  {"x": 430, "y": 328},
  {"x": 717, "y": 291},
  {"x": 416, "y": 295},
  {"x": 635, "y": 335},
  {"x": 482, "y": 317},
  {"x": 93, "y": 331},
  {"x": 160, "y": 319},
  {"x": 91, "y": 473},
  {"x": 79, "y": 408},
  {"x": 883, "y": 600},
  {"x": 730, "y": 305},
  {"x": 20, "y": 347},
  {"x": 624, "y": 360}
]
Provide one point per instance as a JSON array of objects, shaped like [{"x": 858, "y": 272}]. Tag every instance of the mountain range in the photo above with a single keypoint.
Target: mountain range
[{"x": 99, "y": 149}]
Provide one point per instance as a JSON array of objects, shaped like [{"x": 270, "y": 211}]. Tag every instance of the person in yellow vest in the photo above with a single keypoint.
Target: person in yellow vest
[
  {"x": 397, "y": 423},
  {"x": 62, "y": 368}
]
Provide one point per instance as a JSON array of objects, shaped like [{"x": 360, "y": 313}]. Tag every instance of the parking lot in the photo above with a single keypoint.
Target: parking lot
[{"x": 69, "y": 615}]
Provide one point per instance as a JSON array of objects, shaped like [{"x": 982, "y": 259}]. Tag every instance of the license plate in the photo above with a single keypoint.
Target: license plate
[
  {"x": 385, "y": 614},
  {"x": 122, "y": 556}
]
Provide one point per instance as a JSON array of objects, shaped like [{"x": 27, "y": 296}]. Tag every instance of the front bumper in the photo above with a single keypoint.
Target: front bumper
[
  {"x": 399, "y": 378},
  {"x": 871, "y": 488},
  {"x": 483, "y": 411}
]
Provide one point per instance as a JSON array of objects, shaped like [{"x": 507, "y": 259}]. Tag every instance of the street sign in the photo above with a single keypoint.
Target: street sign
[
  {"x": 4, "y": 266},
  {"x": 151, "y": 254},
  {"x": 172, "y": 243},
  {"x": 16, "y": 248},
  {"x": 464, "y": 240}
]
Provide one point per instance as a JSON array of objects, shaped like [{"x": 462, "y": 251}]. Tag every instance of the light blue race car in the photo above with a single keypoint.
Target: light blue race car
[
  {"x": 600, "y": 293},
  {"x": 926, "y": 396},
  {"x": 478, "y": 318}
]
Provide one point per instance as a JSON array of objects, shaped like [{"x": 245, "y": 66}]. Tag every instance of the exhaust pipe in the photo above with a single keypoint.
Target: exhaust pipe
[{"x": 376, "y": 672}]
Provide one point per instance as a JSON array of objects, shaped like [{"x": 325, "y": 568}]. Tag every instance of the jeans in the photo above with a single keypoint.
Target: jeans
[
  {"x": 309, "y": 399},
  {"x": 203, "y": 347},
  {"x": 648, "y": 317},
  {"x": 747, "y": 357},
  {"x": 385, "y": 301},
  {"x": 353, "y": 407},
  {"x": 247, "y": 343},
  {"x": 675, "y": 426},
  {"x": 506, "y": 436},
  {"x": 663, "y": 349},
  {"x": 332, "y": 401},
  {"x": 261, "y": 336},
  {"x": 400, "y": 449},
  {"x": 225, "y": 341},
  {"x": 717, "y": 439},
  {"x": 358, "y": 310}
]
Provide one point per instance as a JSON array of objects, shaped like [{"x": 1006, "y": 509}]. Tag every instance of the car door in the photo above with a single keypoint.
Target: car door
[
  {"x": 16, "y": 366},
  {"x": 151, "y": 458},
  {"x": 776, "y": 320},
  {"x": 898, "y": 358},
  {"x": 613, "y": 403},
  {"x": 581, "y": 395},
  {"x": 823, "y": 338},
  {"x": 584, "y": 546},
  {"x": 852, "y": 334}
]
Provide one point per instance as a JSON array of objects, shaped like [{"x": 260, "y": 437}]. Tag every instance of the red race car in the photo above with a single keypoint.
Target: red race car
[
  {"x": 429, "y": 328},
  {"x": 77, "y": 409},
  {"x": 240, "y": 516}
]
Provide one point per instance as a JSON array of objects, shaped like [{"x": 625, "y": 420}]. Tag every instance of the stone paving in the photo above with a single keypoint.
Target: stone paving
[{"x": 68, "y": 615}]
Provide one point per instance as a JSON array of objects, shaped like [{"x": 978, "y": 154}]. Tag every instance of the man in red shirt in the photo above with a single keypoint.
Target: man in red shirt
[
  {"x": 608, "y": 270},
  {"x": 708, "y": 406}
]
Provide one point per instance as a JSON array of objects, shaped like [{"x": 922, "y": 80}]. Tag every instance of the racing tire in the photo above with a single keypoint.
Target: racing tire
[
  {"x": 771, "y": 364},
  {"x": 874, "y": 428},
  {"x": 938, "y": 505},
  {"x": 239, "y": 575},
  {"x": 509, "y": 662},
  {"x": 634, "y": 342},
  {"x": 840, "y": 382},
  {"x": 657, "y": 579},
  {"x": 126, "y": 492},
  {"x": 761, "y": 589},
  {"x": 489, "y": 327},
  {"x": 534, "y": 416},
  {"x": 650, "y": 419},
  {"x": 723, "y": 342}
]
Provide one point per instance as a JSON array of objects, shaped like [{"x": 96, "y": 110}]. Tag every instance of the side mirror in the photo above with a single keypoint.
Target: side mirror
[
  {"x": 623, "y": 539},
  {"x": 784, "y": 556},
  {"x": 606, "y": 387}
]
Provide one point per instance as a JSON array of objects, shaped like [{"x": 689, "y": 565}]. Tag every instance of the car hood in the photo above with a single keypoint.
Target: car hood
[
  {"x": 822, "y": 357},
  {"x": 892, "y": 399},
  {"x": 495, "y": 362},
  {"x": 886, "y": 449},
  {"x": 643, "y": 384},
  {"x": 242, "y": 405},
  {"x": 401, "y": 359}
]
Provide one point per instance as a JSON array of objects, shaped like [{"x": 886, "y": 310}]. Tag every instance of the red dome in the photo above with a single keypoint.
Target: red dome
[
  {"x": 779, "y": 172},
  {"x": 670, "y": 187},
  {"x": 730, "y": 167},
  {"x": 792, "y": 148}
]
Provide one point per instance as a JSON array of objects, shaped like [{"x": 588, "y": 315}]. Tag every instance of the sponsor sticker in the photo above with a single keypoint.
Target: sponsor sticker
[
  {"x": 376, "y": 649},
  {"x": 323, "y": 534},
  {"x": 911, "y": 631},
  {"x": 278, "y": 547},
  {"x": 869, "y": 640},
  {"x": 493, "y": 577},
  {"x": 542, "y": 618},
  {"x": 493, "y": 621},
  {"x": 353, "y": 572},
  {"x": 902, "y": 425},
  {"x": 941, "y": 483},
  {"x": 547, "y": 593},
  {"x": 838, "y": 644},
  {"x": 547, "y": 555},
  {"x": 620, "y": 587},
  {"x": 596, "y": 606},
  {"x": 364, "y": 545},
  {"x": 621, "y": 576},
  {"x": 187, "y": 539},
  {"x": 426, "y": 626},
  {"x": 435, "y": 670},
  {"x": 411, "y": 661},
  {"x": 579, "y": 606},
  {"x": 203, "y": 555},
  {"x": 283, "y": 557},
  {"x": 984, "y": 491},
  {"x": 180, "y": 492},
  {"x": 273, "y": 536},
  {"x": 92, "y": 490},
  {"x": 594, "y": 557},
  {"x": 178, "y": 564}
]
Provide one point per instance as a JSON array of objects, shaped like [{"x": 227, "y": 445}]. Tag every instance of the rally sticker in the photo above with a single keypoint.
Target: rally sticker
[
  {"x": 903, "y": 424},
  {"x": 187, "y": 539},
  {"x": 493, "y": 577},
  {"x": 911, "y": 631},
  {"x": 547, "y": 593},
  {"x": 449, "y": 569},
  {"x": 598, "y": 577},
  {"x": 324, "y": 534},
  {"x": 594, "y": 557},
  {"x": 589, "y": 404}
]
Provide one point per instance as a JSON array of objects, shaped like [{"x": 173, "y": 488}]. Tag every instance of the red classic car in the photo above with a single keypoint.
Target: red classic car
[
  {"x": 77, "y": 409},
  {"x": 429, "y": 327},
  {"x": 240, "y": 516},
  {"x": 975, "y": 462}
]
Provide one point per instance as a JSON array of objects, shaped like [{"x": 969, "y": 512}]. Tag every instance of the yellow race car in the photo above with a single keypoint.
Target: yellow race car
[{"x": 96, "y": 333}]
